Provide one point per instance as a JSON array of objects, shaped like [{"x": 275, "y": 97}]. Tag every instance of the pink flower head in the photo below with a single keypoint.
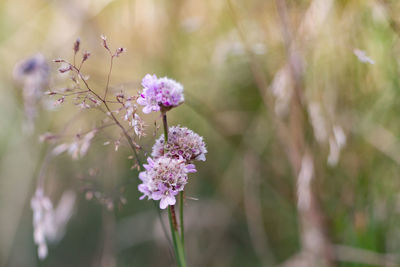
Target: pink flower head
[
  {"x": 170, "y": 93},
  {"x": 163, "y": 178},
  {"x": 160, "y": 93},
  {"x": 183, "y": 143}
]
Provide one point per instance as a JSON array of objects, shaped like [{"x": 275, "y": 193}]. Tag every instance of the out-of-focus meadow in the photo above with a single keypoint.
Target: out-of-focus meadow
[{"x": 298, "y": 102}]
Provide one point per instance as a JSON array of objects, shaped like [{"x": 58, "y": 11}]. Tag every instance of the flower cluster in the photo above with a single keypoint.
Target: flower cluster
[
  {"x": 183, "y": 143},
  {"x": 166, "y": 174},
  {"x": 160, "y": 93},
  {"x": 163, "y": 178}
]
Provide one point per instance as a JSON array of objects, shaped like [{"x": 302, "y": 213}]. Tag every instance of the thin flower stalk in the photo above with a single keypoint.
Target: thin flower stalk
[
  {"x": 173, "y": 153},
  {"x": 177, "y": 239},
  {"x": 109, "y": 111},
  {"x": 178, "y": 246},
  {"x": 181, "y": 199}
]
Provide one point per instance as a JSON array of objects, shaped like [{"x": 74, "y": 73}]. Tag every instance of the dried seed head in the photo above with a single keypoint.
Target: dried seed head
[
  {"x": 105, "y": 42},
  {"x": 86, "y": 55},
  {"x": 66, "y": 69},
  {"x": 95, "y": 101},
  {"x": 59, "y": 101},
  {"x": 76, "y": 45},
  {"x": 119, "y": 51}
]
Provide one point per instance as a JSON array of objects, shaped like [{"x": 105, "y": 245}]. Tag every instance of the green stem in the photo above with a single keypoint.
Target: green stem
[
  {"x": 178, "y": 247},
  {"x": 165, "y": 124},
  {"x": 176, "y": 239},
  {"x": 181, "y": 196}
]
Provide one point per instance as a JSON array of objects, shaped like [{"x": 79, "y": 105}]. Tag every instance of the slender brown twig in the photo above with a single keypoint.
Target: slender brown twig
[
  {"x": 109, "y": 76},
  {"x": 131, "y": 143}
]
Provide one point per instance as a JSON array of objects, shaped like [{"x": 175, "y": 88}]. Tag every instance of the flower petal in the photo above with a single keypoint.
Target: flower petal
[{"x": 157, "y": 195}]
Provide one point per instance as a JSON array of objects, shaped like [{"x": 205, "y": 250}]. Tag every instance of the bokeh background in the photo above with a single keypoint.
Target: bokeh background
[{"x": 279, "y": 90}]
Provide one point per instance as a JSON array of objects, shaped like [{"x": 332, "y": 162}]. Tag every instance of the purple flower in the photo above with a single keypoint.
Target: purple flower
[
  {"x": 183, "y": 143},
  {"x": 191, "y": 168},
  {"x": 160, "y": 93},
  {"x": 145, "y": 190},
  {"x": 166, "y": 195},
  {"x": 163, "y": 178},
  {"x": 170, "y": 93},
  {"x": 148, "y": 97}
]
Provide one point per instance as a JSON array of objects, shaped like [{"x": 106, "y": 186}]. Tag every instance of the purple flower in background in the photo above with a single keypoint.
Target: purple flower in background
[
  {"x": 163, "y": 179},
  {"x": 183, "y": 143},
  {"x": 160, "y": 93}
]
